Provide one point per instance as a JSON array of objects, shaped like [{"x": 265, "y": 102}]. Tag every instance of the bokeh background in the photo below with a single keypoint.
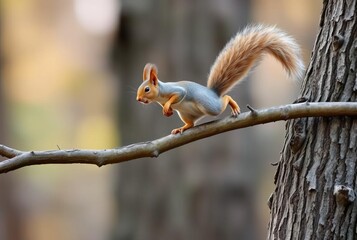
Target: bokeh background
[{"x": 69, "y": 73}]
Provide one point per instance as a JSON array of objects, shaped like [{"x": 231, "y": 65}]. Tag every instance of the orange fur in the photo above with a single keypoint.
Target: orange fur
[
  {"x": 150, "y": 71},
  {"x": 149, "y": 80},
  {"x": 248, "y": 46}
]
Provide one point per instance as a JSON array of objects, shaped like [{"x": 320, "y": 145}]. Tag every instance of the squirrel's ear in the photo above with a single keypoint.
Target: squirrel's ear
[
  {"x": 150, "y": 73},
  {"x": 153, "y": 75},
  {"x": 146, "y": 71}
]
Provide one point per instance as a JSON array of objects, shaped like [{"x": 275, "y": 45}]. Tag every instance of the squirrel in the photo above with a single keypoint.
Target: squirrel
[{"x": 193, "y": 101}]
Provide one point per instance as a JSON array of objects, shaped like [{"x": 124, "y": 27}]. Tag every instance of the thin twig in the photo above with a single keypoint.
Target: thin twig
[
  {"x": 18, "y": 159},
  {"x": 252, "y": 110},
  {"x": 9, "y": 152}
]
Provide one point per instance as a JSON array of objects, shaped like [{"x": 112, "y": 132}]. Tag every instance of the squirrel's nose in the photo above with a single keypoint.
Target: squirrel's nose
[{"x": 138, "y": 99}]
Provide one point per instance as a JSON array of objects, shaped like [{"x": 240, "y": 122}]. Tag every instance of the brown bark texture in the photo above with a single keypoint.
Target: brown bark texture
[{"x": 317, "y": 173}]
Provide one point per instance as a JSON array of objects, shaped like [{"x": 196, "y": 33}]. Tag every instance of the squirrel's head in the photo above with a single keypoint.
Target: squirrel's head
[{"x": 149, "y": 89}]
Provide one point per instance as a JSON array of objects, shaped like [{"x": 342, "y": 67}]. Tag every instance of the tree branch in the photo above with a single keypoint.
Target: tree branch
[{"x": 18, "y": 159}]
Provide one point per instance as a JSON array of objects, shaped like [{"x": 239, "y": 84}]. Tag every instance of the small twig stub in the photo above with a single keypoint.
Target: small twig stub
[{"x": 344, "y": 195}]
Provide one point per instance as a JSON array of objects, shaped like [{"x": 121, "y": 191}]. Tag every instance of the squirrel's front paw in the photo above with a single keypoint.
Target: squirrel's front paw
[{"x": 167, "y": 111}]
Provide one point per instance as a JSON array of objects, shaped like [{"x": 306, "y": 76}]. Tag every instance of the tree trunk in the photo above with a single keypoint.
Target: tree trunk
[
  {"x": 316, "y": 176},
  {"x": 10, "y": 216},
  {"x": 196, "y": 192}
]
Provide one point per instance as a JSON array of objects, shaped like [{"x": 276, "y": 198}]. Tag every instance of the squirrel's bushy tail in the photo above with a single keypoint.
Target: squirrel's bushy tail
[{"x": 248, "y": 46}]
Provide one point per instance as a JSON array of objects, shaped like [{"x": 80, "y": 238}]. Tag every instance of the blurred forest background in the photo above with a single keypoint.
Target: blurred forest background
[{"x": 69, "y": 73}]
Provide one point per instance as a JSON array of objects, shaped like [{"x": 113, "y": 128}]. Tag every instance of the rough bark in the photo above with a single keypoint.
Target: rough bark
[{"x": 316, "y": 176}]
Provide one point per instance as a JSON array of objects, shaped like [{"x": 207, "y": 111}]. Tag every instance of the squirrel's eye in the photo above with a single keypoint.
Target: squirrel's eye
[{"x": 147, "y": 89}]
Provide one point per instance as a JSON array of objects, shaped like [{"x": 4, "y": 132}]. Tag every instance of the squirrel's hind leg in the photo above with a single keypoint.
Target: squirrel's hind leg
[
  {"x": 189, "y": 123},
  {"x": 182, "y": 129},
  {"x": 234, "y": 106}
]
